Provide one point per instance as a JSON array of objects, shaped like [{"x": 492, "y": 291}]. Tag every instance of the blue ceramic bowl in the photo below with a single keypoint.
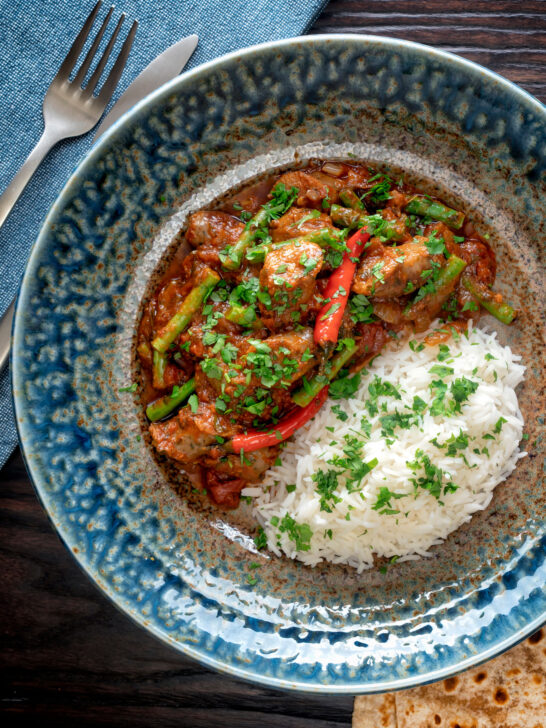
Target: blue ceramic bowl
[{"x": 169, "y": 560}]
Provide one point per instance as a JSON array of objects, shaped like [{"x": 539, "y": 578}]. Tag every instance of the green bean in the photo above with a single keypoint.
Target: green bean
[
  {"x": 501, "y": 311},
  {"x": 158, "y": 369},
  {"x": 345, "y": 217},
  {"x": 165, "y": 405},
  {"x": 440, "y": 288},
  {"x": 242, "y": 315},
  {"x": 351, "y": 199},
  {"x": 144, "y": 350},
  {"x": 234, "y": 254},
  {"x": 305, "y": 394},
  {"x": 323, "y": 237},
  {"x": 423, "y": 206},
  {"x": 189, "y": 306}
]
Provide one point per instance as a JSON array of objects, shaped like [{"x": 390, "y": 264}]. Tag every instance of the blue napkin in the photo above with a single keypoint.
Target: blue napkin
[{"x": 36, "y": 37}]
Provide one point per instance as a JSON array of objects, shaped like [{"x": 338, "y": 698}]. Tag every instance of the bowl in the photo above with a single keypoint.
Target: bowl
[{"x": 163, "y": 554}]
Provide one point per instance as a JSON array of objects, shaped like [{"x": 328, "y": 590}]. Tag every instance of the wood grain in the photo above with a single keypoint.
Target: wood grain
[
  {"x": 68, "y": 656},
  {"x": 507, "y": 37}
]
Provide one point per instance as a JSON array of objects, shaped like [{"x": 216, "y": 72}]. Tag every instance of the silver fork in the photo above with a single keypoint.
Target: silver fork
[{"x": 69, "y": 110}]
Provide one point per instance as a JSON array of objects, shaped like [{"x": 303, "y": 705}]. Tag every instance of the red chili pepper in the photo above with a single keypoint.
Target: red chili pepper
[
  {"x": 255, "y": 440},
  {"x": 337, "y": 291}
]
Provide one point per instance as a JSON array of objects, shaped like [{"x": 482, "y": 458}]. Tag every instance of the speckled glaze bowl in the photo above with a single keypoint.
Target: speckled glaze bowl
[{"x": 168, "y": 559}]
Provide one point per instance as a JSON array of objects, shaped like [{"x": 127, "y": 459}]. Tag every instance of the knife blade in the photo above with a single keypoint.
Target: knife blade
[{"x": 163, "y": 68}]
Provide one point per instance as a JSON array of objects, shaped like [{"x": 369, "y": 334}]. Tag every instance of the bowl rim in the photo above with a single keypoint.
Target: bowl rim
[{"x": 17, "y": 342}]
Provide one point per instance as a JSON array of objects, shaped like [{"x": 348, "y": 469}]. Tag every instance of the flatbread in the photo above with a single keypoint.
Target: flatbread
[
  {"x": 375, "y": 711},
  {"x": 507, "y": 692}
]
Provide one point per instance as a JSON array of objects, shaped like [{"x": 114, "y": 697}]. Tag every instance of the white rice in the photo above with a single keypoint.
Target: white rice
[{"x": 422, "y": 520}]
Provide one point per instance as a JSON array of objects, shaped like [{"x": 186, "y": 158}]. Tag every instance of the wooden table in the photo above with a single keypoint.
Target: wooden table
[{"x": 68, "y": 656}]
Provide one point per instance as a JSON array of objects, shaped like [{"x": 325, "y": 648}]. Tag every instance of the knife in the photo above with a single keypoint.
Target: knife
[{"x": 166, "y": 66}]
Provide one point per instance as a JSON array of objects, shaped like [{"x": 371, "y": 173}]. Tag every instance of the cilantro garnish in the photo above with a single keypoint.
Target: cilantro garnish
[
  {"x": 299, "y": 533},
  {"x": 281, "y": 201},
  {"x": 360, "y": 309},
  {"x": 441, "y": 370},
  {"x": 444, "y": 353},
  {"x": 344, "y": 387},
  {"x": 212, "y": 368},
  {"x": 260, "y": 541},
  {"x": 435, "y": 244},
  {"x": 434, "y": 479},
  {"x": 391, "y": 421},
  {"x": 383, "y": 501},
  {"x": 326, "y": 484},
  {"x": 310, "y": 216},
  {"x": 380, "y": 192},
  {"x": 461, "y": 389},
  {"x": 498, "y": 425},
  {"x": 453, "y": 444},
  {"x": 419, "y": 405},
  {"x": 342, "y": 416}
]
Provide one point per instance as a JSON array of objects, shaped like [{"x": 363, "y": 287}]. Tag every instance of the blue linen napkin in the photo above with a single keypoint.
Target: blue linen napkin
[{"x": 36, "y": 37}]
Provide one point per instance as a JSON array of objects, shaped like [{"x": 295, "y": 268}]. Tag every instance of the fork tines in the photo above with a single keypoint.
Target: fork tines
[{"x": 113, "y": 77}]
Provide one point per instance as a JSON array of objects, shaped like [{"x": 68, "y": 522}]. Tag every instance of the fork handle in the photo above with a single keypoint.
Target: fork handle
[{"x": 13, "y": 191}]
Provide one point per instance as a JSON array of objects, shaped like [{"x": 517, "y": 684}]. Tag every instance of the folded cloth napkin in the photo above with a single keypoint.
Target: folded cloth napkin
[{"x": 35, "y": 39}]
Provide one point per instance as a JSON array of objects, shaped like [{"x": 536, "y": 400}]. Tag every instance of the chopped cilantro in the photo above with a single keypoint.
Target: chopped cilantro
[
  {"x": 281, "y": 201},
  {"x": 433, "y": 478},
  {"x": 360, "y": 309},
  {"x": 391, "y": 421},
  {"x": 419, "y": 405},
  {"x": 229, "y": 353},
  {"x": 444, "y": 353},
  {"x": 310, "y": 216},
  {"x": 453, "y": 444},
  {"x": 260, "y": 541},
  {"x": 461, "y": 389},
  {"x": 132, "y": 388},
  {"x": 308, "y": 263},
  {"x": 498, "y": 425},
  {"x": 435, "y": 244},
  {"x": 344, "y": 387},
  {"x": 299, "y": 533},
  {"x": 342, "y": 416},
  {"x": 326, "y": 483},
  {"x": 383, "y": 501},
  {"x": 441, "y": 370},
  {"x": 212, "y": 369},
  {"x": 193, "y": 402},
  {"x": 379, "y": 192}
]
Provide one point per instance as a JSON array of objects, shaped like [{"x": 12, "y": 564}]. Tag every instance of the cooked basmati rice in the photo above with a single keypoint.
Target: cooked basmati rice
[{"x": 405, "y": 518}]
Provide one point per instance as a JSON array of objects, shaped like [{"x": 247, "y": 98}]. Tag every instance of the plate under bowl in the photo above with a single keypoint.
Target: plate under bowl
[{"x": 175, "y": 565}]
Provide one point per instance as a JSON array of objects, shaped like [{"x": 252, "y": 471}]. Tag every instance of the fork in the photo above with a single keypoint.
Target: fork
[{"x": 70, "y": 109}]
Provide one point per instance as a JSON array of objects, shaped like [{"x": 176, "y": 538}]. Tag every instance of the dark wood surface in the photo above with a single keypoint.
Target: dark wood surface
[{"x": 68, "y": 656}]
